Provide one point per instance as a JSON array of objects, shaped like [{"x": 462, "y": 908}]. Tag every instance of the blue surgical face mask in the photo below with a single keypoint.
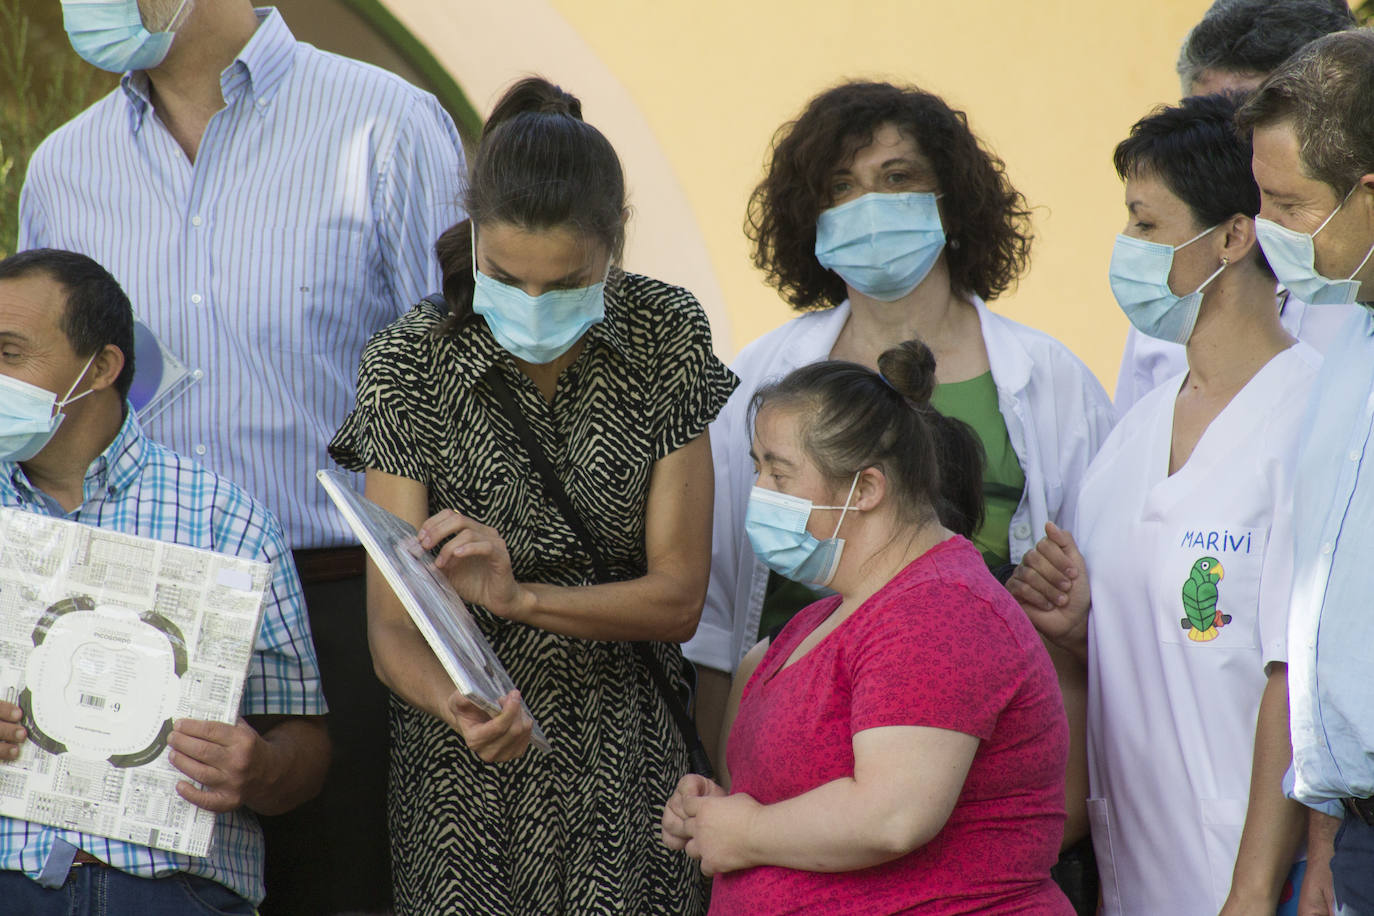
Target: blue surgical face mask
[
  {"x": 882, "y": 245},
  {"x": 110, "y": 34},
  {"x": 538, "y": 329},
  {"x": 30, "y": 416},
  {"x": 1140, "y": 282},
  {"x": 776, "y": 525},
  {"x": 1293, "y": 257}
]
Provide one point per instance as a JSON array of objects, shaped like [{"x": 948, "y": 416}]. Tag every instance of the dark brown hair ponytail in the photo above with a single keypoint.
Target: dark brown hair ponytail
[{"x": 538, "y": 166}]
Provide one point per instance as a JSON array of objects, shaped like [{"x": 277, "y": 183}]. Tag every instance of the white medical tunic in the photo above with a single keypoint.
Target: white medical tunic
[
  {"x": 1147, "y": 362},
  {"x": 1171, "y": 705}
]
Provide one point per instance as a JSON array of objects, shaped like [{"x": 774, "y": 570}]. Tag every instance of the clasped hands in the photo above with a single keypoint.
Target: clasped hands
[
  {"x": 228, "y": 762},
  {"x": 1051, "y": 585},
  {"x": 709, "y": 824}
]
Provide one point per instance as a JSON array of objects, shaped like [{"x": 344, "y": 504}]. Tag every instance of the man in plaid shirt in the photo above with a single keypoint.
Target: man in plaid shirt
[{"x": 77, "y": 452}]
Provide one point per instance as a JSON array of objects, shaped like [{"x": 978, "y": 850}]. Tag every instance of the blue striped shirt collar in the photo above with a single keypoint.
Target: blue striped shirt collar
[
  {"x": 260, "y": 67},
  {"x": 114, "y": 470}
]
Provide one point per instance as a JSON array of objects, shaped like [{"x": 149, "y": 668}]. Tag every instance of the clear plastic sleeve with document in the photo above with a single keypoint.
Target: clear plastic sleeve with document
[
  {"x": 424, "y": 591},
  {"x": 105, "y": 640}
]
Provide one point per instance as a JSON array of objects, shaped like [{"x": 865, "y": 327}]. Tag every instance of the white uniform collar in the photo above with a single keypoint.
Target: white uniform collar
[
  {"x": 816, "y": 336},
  {"x": 1011, "y": 364},
  {"x": 817, "y": 332}
]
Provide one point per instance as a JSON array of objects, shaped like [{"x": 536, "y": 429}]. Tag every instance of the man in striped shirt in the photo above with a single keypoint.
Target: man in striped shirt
[
  {"x": 66, "y": 326},
  {"x": 268, "y": 207}
]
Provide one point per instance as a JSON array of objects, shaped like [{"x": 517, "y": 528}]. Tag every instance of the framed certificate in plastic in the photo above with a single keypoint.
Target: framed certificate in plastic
[{"x": 437, "y": 610}]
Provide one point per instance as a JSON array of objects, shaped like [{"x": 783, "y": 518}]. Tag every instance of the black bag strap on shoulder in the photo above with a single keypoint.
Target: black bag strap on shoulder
[{"x": 698, "y": 759}]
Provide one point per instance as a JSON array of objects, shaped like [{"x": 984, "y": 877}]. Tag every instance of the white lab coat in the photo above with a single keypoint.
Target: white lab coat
[
  {"x": 1147, "y": 362},
  {"x": 1171, "y": 720},
  {"x": 1057, "y": 416}
]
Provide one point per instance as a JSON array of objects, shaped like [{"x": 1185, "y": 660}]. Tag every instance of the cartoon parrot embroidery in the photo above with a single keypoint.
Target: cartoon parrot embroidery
[{"x": 1200, "y": 601}]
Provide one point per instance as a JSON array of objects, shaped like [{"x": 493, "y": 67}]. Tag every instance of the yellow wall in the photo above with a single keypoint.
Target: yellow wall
[{"x": 691, "y": 92}]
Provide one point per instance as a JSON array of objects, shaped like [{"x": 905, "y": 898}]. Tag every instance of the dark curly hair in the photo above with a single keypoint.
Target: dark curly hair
[{"x": 986, "y": 219}]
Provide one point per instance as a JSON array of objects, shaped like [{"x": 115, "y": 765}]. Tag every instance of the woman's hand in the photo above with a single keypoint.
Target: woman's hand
[
  {"x": 476, "y": 563},
  {"x": 674, "y": 823},
  {"x": 495, "y": 739},
  {"x": 719, "y": 827},
  {"x": 1051, "y": 584}
]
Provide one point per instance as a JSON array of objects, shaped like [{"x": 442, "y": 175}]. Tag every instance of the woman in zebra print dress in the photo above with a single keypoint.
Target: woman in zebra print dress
[{"x": 618, "y": 389}]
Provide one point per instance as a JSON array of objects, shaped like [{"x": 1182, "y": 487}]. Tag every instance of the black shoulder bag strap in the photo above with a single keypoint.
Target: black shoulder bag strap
[{"x": 697, "y": 757}]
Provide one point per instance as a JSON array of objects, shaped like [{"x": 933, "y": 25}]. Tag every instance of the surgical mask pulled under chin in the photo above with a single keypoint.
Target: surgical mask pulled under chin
[
  {"x": 776, "y": 525},
  {"x": 1293, "y": 257},
  {"x": 882, "y": 245},
  {"x": 30, "y": 416},
  {"x": 1140, "y": 281},
  {"x": 109, "y": 34},
  {"x": 538, "y": 329}
]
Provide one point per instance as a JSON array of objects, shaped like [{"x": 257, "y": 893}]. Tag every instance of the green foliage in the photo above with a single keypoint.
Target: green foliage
[
  {"x": 1364, "y": 12},
  {"x": 43, "y": 84}
]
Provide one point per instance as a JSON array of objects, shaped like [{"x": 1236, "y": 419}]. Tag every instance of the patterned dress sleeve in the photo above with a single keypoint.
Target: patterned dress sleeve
[
  {"x": 690, "y": 384},
  {"x": 382, "y": 433}
]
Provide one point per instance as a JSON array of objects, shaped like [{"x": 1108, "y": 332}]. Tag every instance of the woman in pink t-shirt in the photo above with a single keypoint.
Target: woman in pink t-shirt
[{"x": 900, "y": 746}]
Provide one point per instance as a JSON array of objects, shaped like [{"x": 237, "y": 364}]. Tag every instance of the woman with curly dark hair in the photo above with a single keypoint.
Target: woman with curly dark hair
[{"x": 883, "y": 218}]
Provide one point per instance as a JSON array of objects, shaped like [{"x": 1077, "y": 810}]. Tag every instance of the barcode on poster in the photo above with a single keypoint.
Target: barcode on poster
[{"x": 92, "y": 701}]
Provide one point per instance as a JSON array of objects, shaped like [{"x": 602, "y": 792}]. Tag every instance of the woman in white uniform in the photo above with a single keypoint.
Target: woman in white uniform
[
  {"x": 1172, "y": 584},
  {"x": 882, "y": 218},
  {"x": 1147, "y": 362}
]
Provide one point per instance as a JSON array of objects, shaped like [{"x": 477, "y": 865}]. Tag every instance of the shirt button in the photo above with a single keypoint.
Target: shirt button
[
  {"x": 1021, "y": 531},
  {"x": 196, "y": 221},
  {"x": 200, "y": 450},
  {"x": 195, "y": 298},
  {"x": 1354, "y": 455},
  {"x": 1326, "y": 549}
]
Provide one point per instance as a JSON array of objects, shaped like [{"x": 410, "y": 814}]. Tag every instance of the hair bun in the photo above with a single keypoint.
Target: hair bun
[
  {"x": 909, "y": 367},
  {"x": 534, "y": 95}
]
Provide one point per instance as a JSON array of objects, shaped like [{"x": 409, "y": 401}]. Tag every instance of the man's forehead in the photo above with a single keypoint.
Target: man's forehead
[
  {"x": 1277, "y": 160},
  {"x": 31, "y": 306}
]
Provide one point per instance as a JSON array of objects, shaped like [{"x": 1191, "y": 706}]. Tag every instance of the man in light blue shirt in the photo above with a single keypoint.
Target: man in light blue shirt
[
  {"x": 65, "y": 327},
  {"x": 268, "y": 207},
  {"x": 1313, "y": 130}
]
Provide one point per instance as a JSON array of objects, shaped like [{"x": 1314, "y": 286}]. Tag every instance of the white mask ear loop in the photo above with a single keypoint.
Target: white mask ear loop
[
  {"x": 472, "y": 234},
  {"x": 1194, "y": 238},
  {"x": 67, "y": 398},
  {"x": 1216, "y": 273},
  {"x": 846, "y": 506},
  {"x": 1362, "y": 263},
  {"x": 1332, "y": 215},
  {"x": 176, "y": 22}
]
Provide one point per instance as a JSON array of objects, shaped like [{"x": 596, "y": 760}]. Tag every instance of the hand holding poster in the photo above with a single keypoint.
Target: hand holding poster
[
  {"x": 438, "y": 611},
  {"x": 105, "y": 640}
]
